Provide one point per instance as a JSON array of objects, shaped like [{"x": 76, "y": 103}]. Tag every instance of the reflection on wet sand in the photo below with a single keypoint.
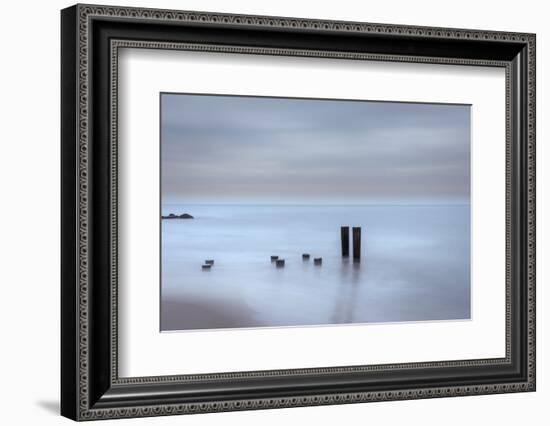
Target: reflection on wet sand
[{"x": 347, "y": 298}]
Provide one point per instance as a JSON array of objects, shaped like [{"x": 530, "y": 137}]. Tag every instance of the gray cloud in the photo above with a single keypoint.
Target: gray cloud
[{"x": 276, "y": 149}]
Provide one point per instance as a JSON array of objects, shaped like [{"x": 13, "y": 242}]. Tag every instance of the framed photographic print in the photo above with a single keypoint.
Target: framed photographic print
[{"x": 263, "y": 212}]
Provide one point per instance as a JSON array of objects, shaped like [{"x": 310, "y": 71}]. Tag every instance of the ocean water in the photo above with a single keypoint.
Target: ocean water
[{"x": 415, "y": 265}]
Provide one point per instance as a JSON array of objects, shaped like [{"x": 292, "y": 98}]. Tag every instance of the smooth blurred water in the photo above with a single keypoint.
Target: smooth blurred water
[{"x": 415, "y": 265}]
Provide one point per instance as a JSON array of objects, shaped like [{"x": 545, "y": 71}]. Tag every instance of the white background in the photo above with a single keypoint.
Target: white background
[
  {"x": 146, "y": 352},
  {"x": 29, "y": 222}
]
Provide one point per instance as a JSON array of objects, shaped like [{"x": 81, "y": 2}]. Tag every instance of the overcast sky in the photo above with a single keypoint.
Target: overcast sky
[{"x": 253, "y": 149}]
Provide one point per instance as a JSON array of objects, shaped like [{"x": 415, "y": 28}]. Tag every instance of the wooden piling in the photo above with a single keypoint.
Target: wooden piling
[
  {"x": 209, "y": 261},
  {"x": 280, "y": 263},
  {"x": 356, "y": 243},
  {"x": 317, "y": 260},
  {"x": 344, "y": 233},
  {"x": 274, "y": 258},
  {"x": 206, "y": 267},
  {"x": 305, "y": 256}
]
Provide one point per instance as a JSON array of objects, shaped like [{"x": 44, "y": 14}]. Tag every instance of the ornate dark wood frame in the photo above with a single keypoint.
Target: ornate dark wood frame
[{"x": 91, "y": 37}]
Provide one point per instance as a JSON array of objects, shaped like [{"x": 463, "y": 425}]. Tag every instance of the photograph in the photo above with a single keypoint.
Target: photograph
[
  {"x": 280, "y": 211},
  {"x": 264, "y": 209}
]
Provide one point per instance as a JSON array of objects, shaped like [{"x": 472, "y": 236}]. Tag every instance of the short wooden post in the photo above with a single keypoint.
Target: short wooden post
[
  {"x": 274, "y": 258},
  {"x": 356, "y": 243},
  {"x": 317, "y": 260},
  {"x": 305, "y": 256},
  {"x": 344, "y": 233},
  {"x": 280, "y": 263},
  {"x": 209, "y": 261}
]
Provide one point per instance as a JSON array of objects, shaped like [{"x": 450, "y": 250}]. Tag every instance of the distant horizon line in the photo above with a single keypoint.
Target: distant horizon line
[{"x": 202, "y": 203}]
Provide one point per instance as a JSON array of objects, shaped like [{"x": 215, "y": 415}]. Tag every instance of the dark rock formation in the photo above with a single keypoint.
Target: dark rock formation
[{"x": 181, "y": 216}]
